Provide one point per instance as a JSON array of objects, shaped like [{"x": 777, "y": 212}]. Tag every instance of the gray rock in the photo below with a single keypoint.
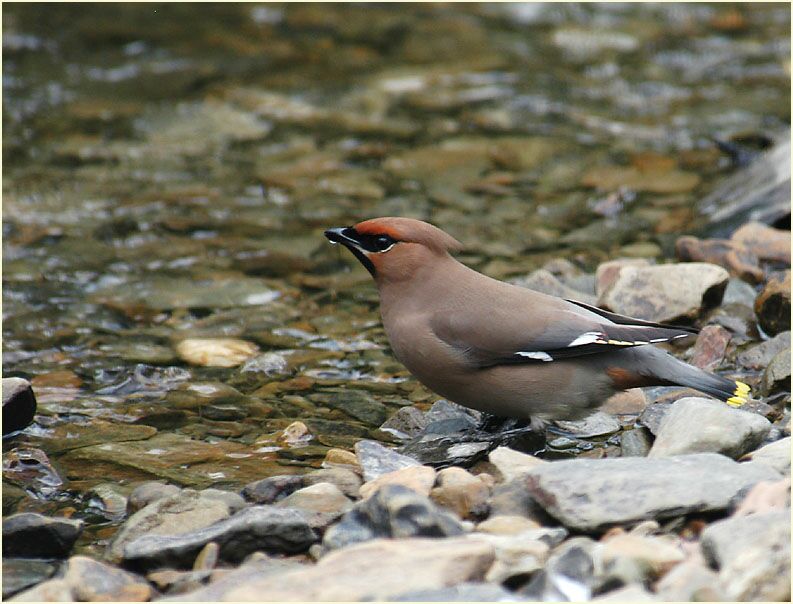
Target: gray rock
[
  {"x": 19, "y": 404},
  {"x": 376, "y": 460},
  {"x": 392, "y": 511},
  {"x": 512, "y": 499},
  {"x": 441, "y": 450},
  {"x": 667, "y": 292},
  {"x": 652, "y": 416},
  {"x": 406, "y": 422},
  {"x": 739, "y": 292},
  {"x": 636, "y": 442},
  {"x": 752, "y": 554},
  {"x": 700, "y": 425},
  {"x": 775, "y": 455},
  {"x": 87, "y": 580},
  {"x": 255, "y": 528},
  {"x": 593, "y": 494},
  {"x": 690, "y": 581},
  {"x": 776, "y": 377},
  {"x": 758, "y": 357},
  {"x": 30, "y": 535},
  {"x": 21, "y": 573},
  {"x": 272, "y": 489},
  {"x": 464, "y": 592},
  {"x": 596, "y": 424},
  {"x": 760, "y": 191},
  {"x": 346, "y": 480},
  {"x": 546, "y": 282},
  {"x": 149, "y": 492},
  {"x": 182, "y": 513},
  {"x": 568, "y": 576},
  {"x": 377, "y": 570},
  {"x": 321, "y": 503}
]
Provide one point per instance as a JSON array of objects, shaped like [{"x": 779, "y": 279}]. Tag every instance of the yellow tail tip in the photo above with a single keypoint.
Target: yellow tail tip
[
  {"x": 736, "y": 401},
  {"x": 741, "y": 389}
]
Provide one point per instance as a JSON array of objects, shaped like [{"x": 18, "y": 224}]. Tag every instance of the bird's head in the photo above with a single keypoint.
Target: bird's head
[{"x": 394, "y": 249}]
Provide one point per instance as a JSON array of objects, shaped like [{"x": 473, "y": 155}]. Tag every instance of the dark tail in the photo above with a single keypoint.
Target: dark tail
[{"x": 673, "y": 371}]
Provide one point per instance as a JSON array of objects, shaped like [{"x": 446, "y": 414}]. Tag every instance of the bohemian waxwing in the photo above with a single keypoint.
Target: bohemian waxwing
[{"x": 504, "y": 349}]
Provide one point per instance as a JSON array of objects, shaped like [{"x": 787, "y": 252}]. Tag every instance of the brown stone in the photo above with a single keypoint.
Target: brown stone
[
  {"x": 416, "y": 478},
  {"x": 710, "y": 347},
  {"x": 626, "y": 402},
  {"x": 732, "y": 255},
  {"x": 772, "y": 306},
  {"x": 461, "y": 492},
  {"x": 766, "y": 242}
]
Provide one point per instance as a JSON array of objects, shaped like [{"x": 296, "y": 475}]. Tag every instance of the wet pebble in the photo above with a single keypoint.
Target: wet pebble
[
  {"x": 406, "y": 423},
  {"x": 19, "y": 404},
  {"x": 596, "y": 424},
  {"x": 216, "y": 352},
  {"x": 31, "y": 535}
]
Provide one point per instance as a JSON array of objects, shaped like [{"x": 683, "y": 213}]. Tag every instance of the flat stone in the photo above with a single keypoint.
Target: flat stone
[
  {"x": 766, "y": 242},
  {"x": 511, "y": 463},
  {"x": 357, "y": 573},
  {"x": 752, "y": 554},
  {"x": 406, "y": 422},
  {"x": 653, "y": 556},
  {"x": 772, "y": 305},
  {"x": 265, "y": 528},
  {"x": 392, "y": 511},
  {"x": 30, "y": 535},
  {"x": 594, "y": 494},
  {"x": 775, "y": 455},
  {"x": 665, "y": 293},
  {"x": 22, "y": 573},
  {"x": 88, "y": 580},
  {"x": 596, "y": 424},
  {"x": 376, "y": 460},
  {"x": 184, "y": 512},
  {"x": 19, "y": 404},
  {"x": 759, "y": 356},
  {"x": 700, "y": 425},
  {"x": 417, "y": 478}
]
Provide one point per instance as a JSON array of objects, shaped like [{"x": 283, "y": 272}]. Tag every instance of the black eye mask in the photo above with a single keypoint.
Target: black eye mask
[{"x": 355, "y": 242}]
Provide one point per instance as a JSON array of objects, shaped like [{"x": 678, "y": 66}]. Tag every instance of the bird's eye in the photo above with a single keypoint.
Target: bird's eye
[{"x": 383, "y": 242}]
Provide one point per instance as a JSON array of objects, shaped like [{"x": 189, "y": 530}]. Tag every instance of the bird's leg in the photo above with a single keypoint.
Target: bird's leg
[{"x": 523, "y": 434}]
